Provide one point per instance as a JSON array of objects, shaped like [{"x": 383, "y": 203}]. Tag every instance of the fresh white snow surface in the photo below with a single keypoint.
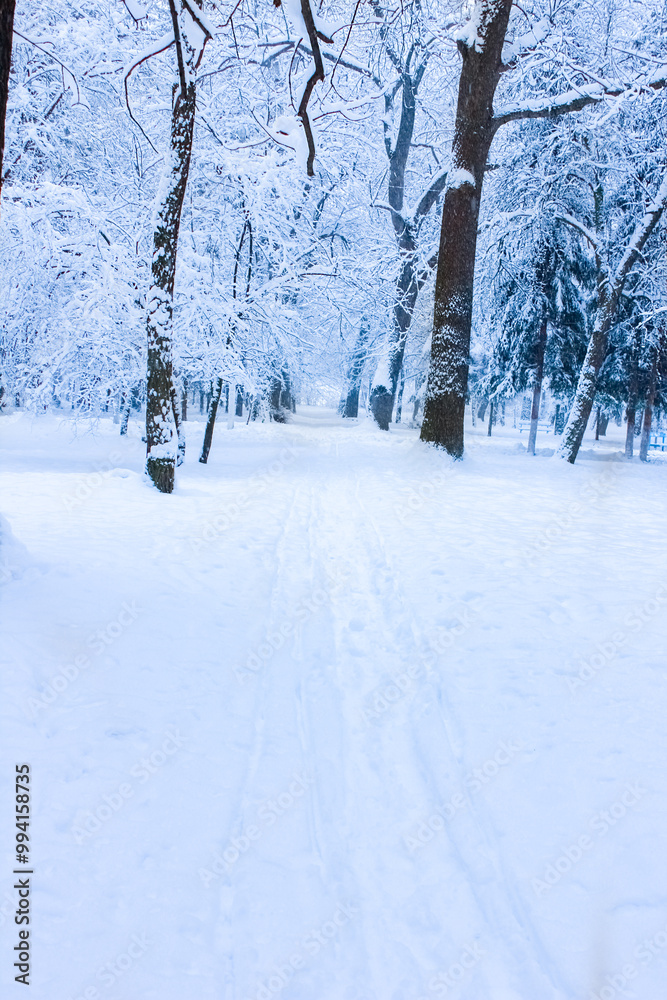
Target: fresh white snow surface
[{"x": 340, "y": 719}]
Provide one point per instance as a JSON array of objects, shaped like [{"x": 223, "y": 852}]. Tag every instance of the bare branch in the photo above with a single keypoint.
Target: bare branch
[
  {"x": 571, "y": 221},
  {"x": 316, "y": 77},
  {"x": 161, "y": 45},
  {"x": 55, "y": 59},
  {"x": 179, "y": 49},
  {"x": 197, "y": 18},
  {"x": 429, "y": 198}
]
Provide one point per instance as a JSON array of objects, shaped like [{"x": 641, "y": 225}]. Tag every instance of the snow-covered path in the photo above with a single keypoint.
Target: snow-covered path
[{"x": 338, "y": 720}]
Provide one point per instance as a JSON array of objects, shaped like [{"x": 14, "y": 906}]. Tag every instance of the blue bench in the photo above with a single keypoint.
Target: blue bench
[{"x": 658, "y": 440}]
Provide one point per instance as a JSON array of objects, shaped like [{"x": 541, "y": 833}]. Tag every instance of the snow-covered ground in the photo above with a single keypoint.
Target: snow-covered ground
[{"x": 340, "y": 719}]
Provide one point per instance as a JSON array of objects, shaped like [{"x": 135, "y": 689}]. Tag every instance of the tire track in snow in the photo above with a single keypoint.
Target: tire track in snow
[
  {"x": 256, "y": 707},
  {"x": 480, "y": 829},
  {"x": 366, "y": 752}
]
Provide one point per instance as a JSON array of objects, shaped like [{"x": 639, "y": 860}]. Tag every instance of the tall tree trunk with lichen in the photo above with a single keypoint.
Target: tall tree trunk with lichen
[{"x": 474, "y": 130}]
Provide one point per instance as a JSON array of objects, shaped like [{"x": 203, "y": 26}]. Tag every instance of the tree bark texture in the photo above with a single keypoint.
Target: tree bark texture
[
  {"x": 537, "y": 387},
  {"x": 210, "y": 423},
  {"x": 355, "y": 373},
  {"x": 609, "y": 291},
  {"x": 474, "y": 129},
  {"x": 648, "y": 410},
  {"x": 160, "y": 451},
  {"x": 6, "y": 34}
]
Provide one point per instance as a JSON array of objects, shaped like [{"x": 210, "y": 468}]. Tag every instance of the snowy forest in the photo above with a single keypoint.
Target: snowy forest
[{"x": 333, "y": 429}]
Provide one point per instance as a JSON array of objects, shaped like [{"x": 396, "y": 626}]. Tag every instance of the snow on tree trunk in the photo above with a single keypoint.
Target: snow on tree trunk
[
  {"x": 480, "y": 44},
  {"x": 609, "y": 291},
  {"x": 179, "y": 426},
  {"x": 407, "y": 291},
  {"x": 6, "y": 33},
  {"x": 399, "y": 398},
  {"x": 160, "y": 425},
  {"x": 210, "y": 423},
  {"x": 580, "y": 413},
  {"x": 351, "y": 408},
  {"x": 125, "y": 406},
  {"x": 537, "y": 388}
]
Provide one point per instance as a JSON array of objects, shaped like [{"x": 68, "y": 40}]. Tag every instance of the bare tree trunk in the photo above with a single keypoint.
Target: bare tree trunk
[
  {"x": 633, "y": 393},
  {"x": 407, "y": 290},
  {"x": 230, "y": 408},
  {"x": 239, "y": 400},
  {"x": 6, "y": 34},
  {"x": 573, "y": 434},
  {"x": 179, "y": 426},
  {"x": 537, "y": 388},
  {"x": 399, "y": 398},
  {"x": 210, "y": 423},
  {"x": 631, "y": 416},
  {"x": 184, "y": 401},
  {"x": 125, "y": 406},
  {"x": 491, "y": 409},
  {"x": 648, "y": 410},
  {"x": 355, "y": 374},
  {"x": 161, "y": 411},
  {"x": 474, "y": 128},
  {"x": 160, "y": 451},
  {"x": 609, "y": 291}
]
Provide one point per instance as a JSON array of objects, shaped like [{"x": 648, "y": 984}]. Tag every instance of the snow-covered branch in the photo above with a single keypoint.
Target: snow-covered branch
[{"x": 575, "y": 99}]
